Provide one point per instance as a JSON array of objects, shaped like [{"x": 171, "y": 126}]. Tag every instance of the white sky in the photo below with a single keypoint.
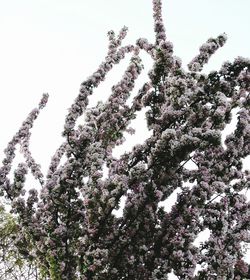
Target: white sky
[{"x": 52, "y": 45}]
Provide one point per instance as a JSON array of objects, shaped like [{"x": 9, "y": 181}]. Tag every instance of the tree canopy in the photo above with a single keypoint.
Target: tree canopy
[{"x": 68, "y": 230}]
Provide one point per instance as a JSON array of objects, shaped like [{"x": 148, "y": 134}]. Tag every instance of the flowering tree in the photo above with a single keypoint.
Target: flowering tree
[{"x": 70, "y": 228}]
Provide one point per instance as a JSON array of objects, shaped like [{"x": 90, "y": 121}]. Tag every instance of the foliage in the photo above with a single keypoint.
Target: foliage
[
  {"x": 71, "y": 227},
  {"x": 14, "y": 263}
]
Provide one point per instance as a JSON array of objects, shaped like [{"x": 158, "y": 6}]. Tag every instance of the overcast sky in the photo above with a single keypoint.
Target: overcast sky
[{"x": 52, "y": 45}]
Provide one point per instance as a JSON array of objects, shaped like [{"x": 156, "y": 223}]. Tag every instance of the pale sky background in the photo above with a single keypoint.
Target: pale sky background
[{"x": 52, "y": 45}]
